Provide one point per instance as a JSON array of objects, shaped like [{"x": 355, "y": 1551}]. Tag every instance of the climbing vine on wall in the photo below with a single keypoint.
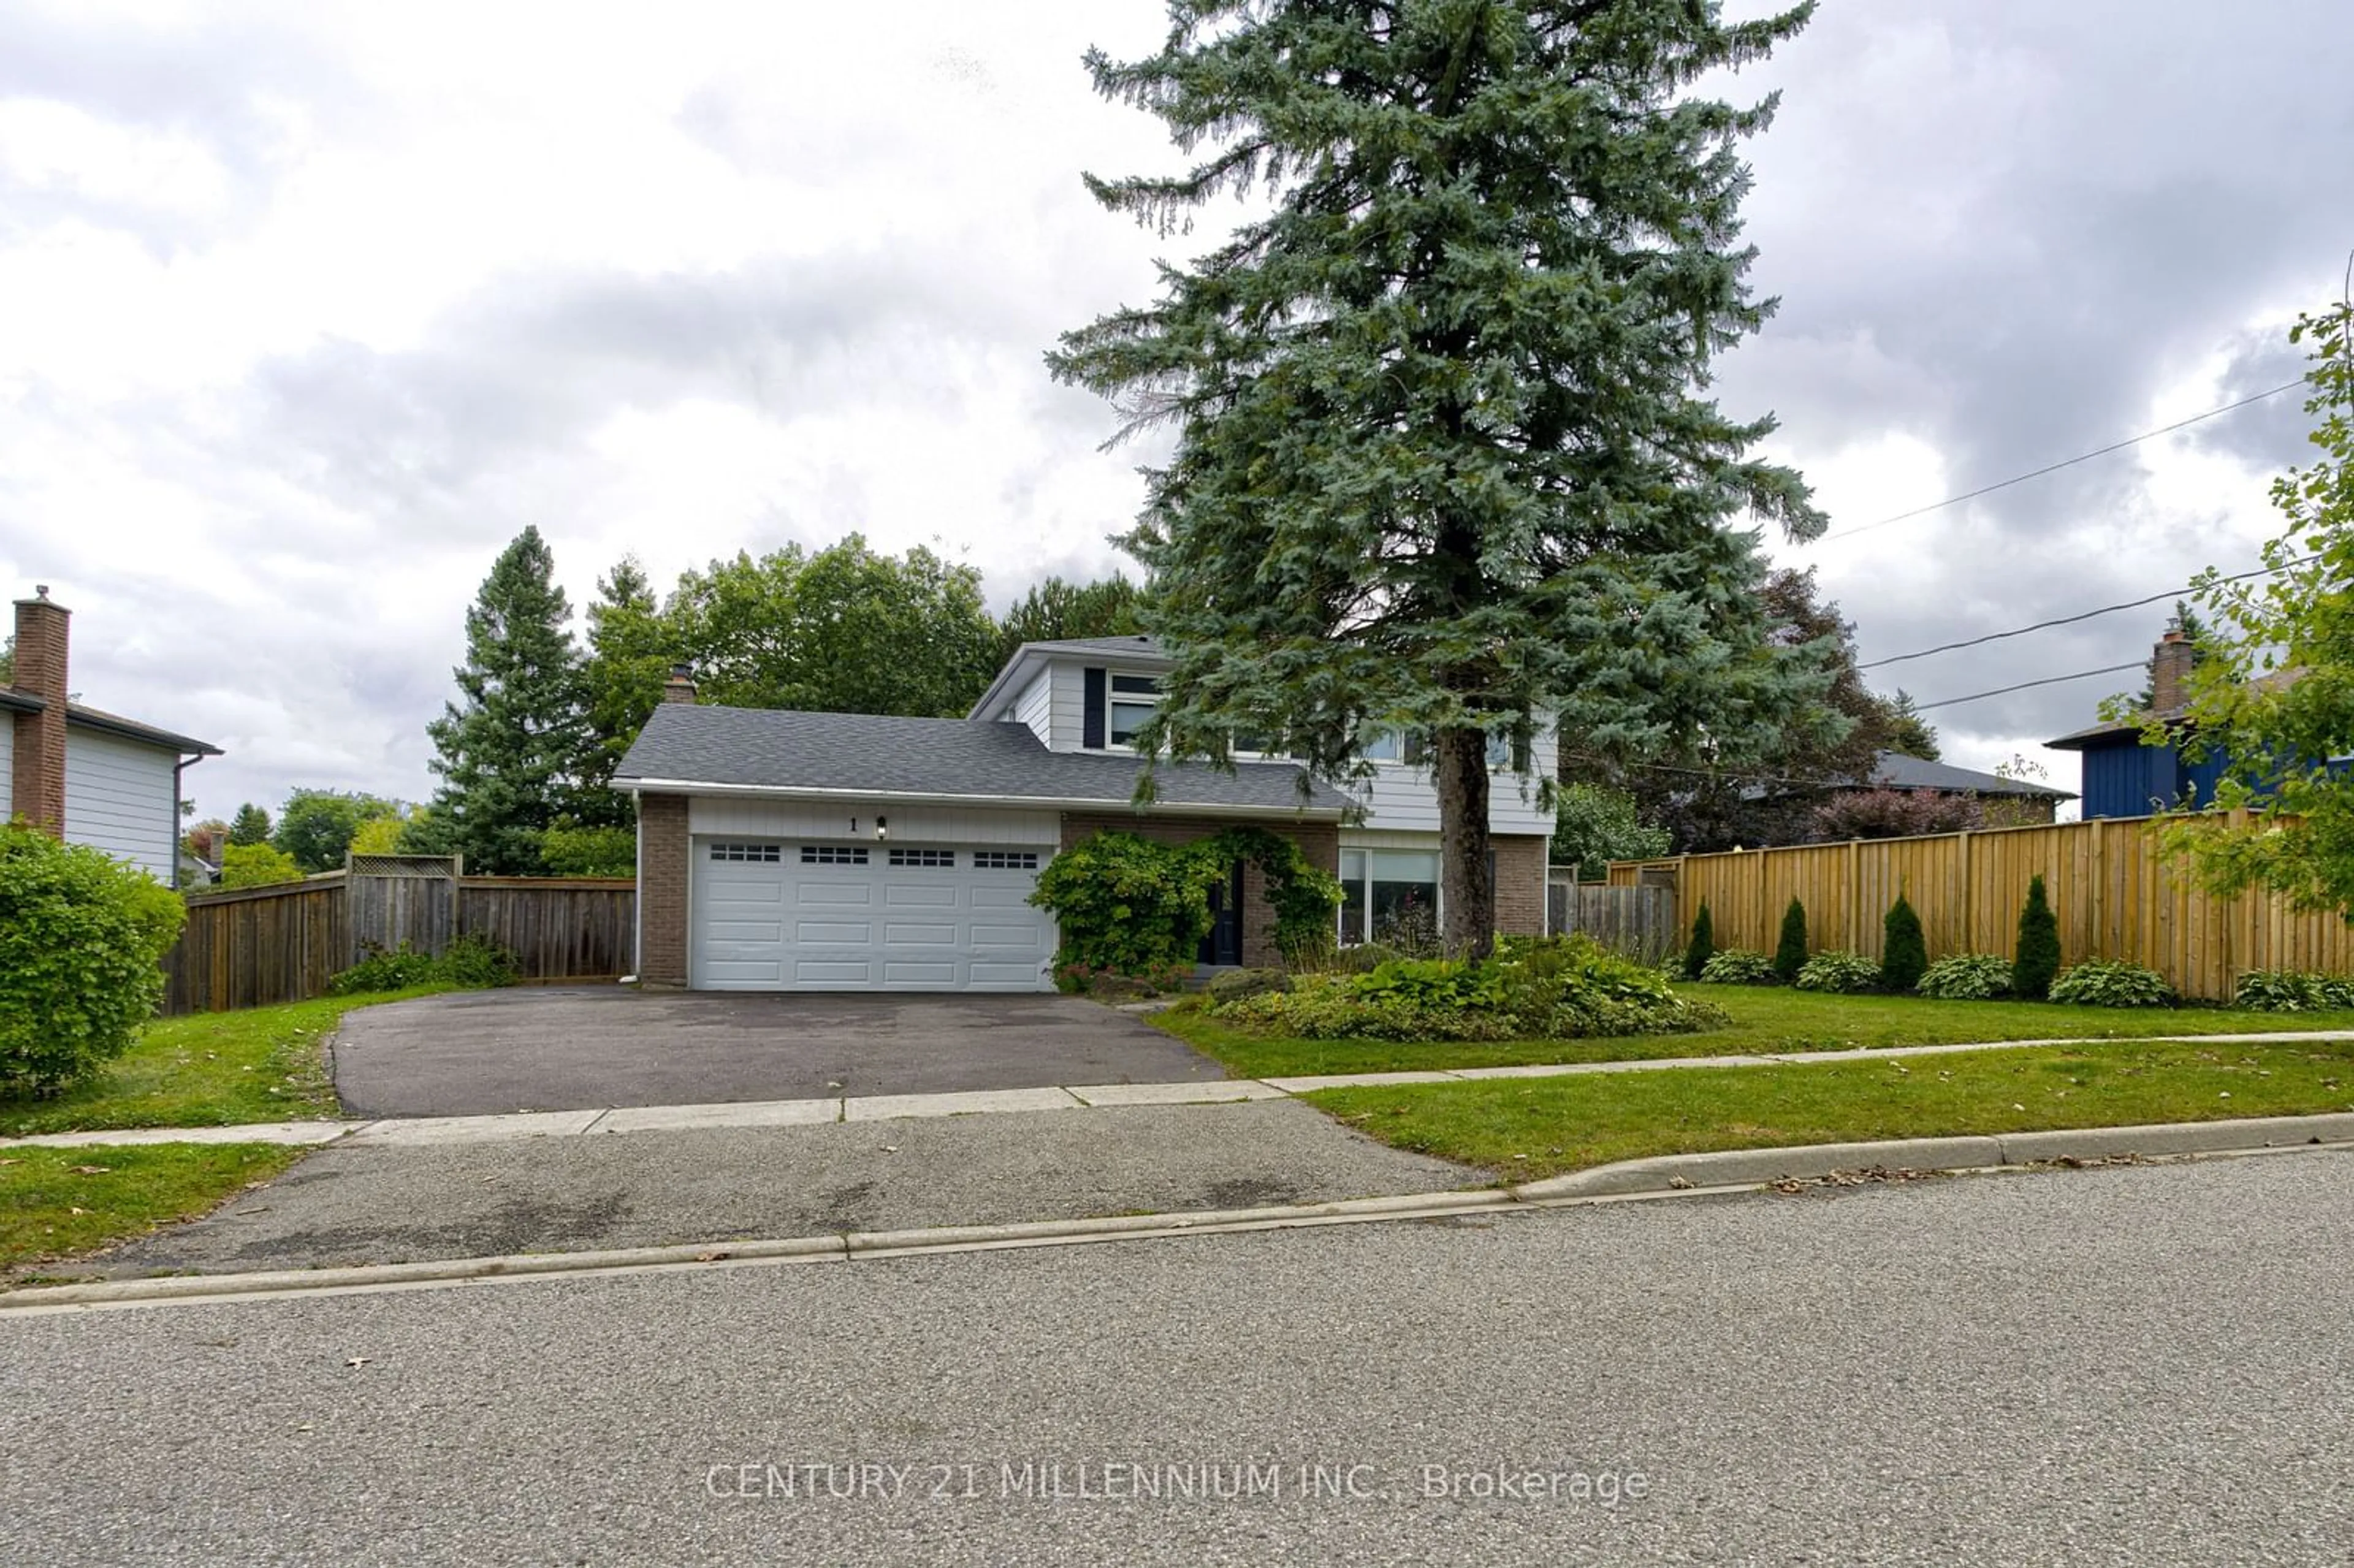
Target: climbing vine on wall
[{"x": 1140, "y": 907}]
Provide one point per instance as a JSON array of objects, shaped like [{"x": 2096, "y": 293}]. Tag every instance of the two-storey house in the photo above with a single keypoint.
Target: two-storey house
[{"x": 784, "y": 851}]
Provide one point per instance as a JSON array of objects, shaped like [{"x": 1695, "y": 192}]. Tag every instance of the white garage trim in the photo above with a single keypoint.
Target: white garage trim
[
  {"x": 813, "y": 914},
  {"x": 910, "y": 822}
]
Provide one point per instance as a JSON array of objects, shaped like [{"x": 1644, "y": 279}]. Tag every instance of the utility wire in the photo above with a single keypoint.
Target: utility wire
[
  {"x": 2023, "y": 685},
  {"x": 2087, "y": 615},
  {"x": 2067, "y": 463}
]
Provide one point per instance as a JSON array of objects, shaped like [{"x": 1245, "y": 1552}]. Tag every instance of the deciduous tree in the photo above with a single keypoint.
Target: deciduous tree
[
  {"x": 2274, "y": 697},
  {"x": 1445, "y": 459},
  {"x": 315, "y": 827}
]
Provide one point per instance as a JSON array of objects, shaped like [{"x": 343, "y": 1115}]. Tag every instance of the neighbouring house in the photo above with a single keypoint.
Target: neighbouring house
[
  {"x": 2022, "y": 802},
  {"x": 783, "y": 851},
  {"x": 2125, "y": 774},
  {"x": 82, "y": 775}
]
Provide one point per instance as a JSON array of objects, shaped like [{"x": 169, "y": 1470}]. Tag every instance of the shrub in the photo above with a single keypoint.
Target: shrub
[
  {"x": 1838, "y": 971},
  {"x": 468, "y": 963},
  {"x": 2038, "y": 958},
  {"x": 82, "y": 939},
  {"x": 1128, "y": 905},
  {"x": 1532, "y": 988},
  {"x": 1734, "y": 967},
  {"x": 1903, "y": 951},
  {"x": 1967, "y": 977},
  {"x": 1790, "y": 953},
  {"x": 588, "y": 852},
  {"x": 2291, "y": 991},
  {"x": 1703, "y": 943},
  {"x": 1233, "y": 985},
  {"x": 2101, "y": 984},
  {"x": 1412, "y": 930}
]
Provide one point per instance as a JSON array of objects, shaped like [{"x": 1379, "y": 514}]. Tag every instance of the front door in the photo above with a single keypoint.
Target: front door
[{"x": 1223, "y": 945}]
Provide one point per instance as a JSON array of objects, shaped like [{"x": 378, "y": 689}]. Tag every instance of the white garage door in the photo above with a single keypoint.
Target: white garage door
[{"x": 776, "y": 915}]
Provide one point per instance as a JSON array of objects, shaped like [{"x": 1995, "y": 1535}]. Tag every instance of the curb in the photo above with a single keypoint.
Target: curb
[{"x": 1674, "y": 1175}]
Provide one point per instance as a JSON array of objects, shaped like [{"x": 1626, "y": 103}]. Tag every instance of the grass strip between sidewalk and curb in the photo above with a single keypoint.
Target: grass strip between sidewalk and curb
[
  {"x": 55, "y": 1202},
  {"x": 207, "y": 1069},
  {"x": 1526, "y": 1128},
  {"x": 1767, "y": 1020}
]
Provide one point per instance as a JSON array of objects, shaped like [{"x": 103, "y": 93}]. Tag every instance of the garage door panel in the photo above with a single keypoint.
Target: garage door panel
[{"x": 786, "y": 916}]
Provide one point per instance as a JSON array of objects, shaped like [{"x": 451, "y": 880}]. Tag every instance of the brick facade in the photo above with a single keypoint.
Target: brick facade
[
  {"x": 1320, "y": 842},
  {"x": 662, "y": 915},
  {"x": 38, "y": 778},
  {"x": 1519, "y": 883}
]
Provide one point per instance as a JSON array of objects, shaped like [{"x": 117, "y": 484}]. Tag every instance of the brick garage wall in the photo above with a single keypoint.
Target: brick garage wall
[
  {"x": 662, "y": 892},
  {"x": 1520, "y": 885},
  {"x": 1320, "y": 842}
]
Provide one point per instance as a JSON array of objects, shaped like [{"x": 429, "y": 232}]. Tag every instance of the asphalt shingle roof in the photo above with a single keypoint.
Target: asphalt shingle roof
[
  {"x": 1897, "y": 772},
  {"x": 688, "y": 743}
]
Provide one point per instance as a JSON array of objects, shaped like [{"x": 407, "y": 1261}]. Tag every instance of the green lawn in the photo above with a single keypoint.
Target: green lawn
[
  {"x": 1766, "y": 1021},
  {"x": 57, "y": 1202},
  {"x": 209, "y": 1069},
  {"x": 1526, "y": 1128}
]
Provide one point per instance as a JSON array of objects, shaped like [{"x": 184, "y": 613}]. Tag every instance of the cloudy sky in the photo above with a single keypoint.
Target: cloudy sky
[{"x": 305, "y": 310}]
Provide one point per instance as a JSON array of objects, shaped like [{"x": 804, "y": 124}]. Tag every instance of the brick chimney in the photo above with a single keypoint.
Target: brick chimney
[
  {"x": 37, "y": 784},
  {"x": 680, "y": 687},
  {"x": 2169, "y": 671}
]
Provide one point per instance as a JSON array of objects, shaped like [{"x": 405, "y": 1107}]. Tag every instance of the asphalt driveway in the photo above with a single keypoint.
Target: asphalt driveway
[{"x": 483, "y": 1052}]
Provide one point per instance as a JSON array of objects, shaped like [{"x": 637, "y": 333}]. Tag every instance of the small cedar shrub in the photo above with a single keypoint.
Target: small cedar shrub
[
  {"x": 2103, "y": 984},
  {"x": 1734, "y": 967},
  {"x": 2292, "y": 990},
  {"x": 1703, "y": 943},
  {"x": 1967, "y": 977},
  {"x": 1903, "y": 951},
  {"x": 1843, "y": 972},
  {"x": 1790, "y": 952},
  {"x": 82, "y": 940},
  {"x": 2038, "y": 960}
]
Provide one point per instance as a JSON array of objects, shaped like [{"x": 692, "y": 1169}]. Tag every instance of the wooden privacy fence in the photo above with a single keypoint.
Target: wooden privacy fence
[
  {"x": 262, "y": 945},
  {"x": 2115, "y": 895},
  {"x": 1639, "y": 921}
]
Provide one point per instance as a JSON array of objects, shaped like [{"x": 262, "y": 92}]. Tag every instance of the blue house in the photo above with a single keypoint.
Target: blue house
[{"x": 2126, "y": 777}]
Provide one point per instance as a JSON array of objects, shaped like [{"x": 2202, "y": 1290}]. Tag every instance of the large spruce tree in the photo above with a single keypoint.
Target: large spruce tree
[
  {"x": 509, "y": 752},
  {"x": 1444, "y": 458},
  {"x": 632, "y": 646}
]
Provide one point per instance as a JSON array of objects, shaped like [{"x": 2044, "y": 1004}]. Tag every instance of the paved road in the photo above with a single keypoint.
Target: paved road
[
  {"x": 2144, "y": 1365},
  {"x": 533, "y": 1048},
  {"x": 354, "y": 1203}
]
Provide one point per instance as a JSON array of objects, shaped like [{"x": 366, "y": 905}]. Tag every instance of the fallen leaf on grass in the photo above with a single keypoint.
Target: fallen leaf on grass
[{"x": 90, "y": 1170}]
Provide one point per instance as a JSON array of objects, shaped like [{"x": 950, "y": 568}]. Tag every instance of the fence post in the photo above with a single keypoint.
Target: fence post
[
  {"x": 1854, "y": 943},
  {"x": 1969, "y": 899}
]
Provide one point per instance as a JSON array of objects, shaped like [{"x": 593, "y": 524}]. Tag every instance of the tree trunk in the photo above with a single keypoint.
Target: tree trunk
[{"x": 1466, "y": 884}]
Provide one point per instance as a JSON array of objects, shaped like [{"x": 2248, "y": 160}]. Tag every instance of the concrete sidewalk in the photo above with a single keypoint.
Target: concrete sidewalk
[{"x": 431, "y": 1130}]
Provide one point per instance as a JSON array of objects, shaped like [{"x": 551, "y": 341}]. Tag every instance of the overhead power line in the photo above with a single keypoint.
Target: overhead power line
[
  {"x": 2086, "y": 615},
  {"x": 2065, "y": 462},
  {"x": 2023, "y": 685}
]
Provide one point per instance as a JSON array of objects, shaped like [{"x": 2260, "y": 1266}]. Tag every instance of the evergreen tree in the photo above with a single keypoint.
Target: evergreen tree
[
  {"x": 1790, "y": 954},
  {"x": 1703, "y": 943},
  {"x": 631, "y": 650},
  {"x": 2037, "y": 962},
  {"x": 510, "y": 752},
  {"x": 1903, "y": 951},
  {"x": 1444, "y": 459},
  {"x": 1055, "y": 609},
  {"x": 251, "y": 826}
]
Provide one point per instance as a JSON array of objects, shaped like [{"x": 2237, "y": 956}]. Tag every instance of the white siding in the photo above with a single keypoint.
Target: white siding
[
  {"x": 1035, "y": 706},
  {"x": 1399, "y": 798},
  {"x": 1066, "y": 712},
  {"x": 910, "y": 825},
  {"x": 7, "y": 759},
  {"x": 119, "y": 799}
]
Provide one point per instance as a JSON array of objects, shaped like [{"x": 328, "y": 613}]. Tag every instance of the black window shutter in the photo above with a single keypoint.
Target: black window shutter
[{"x": 1091, "y": 726}]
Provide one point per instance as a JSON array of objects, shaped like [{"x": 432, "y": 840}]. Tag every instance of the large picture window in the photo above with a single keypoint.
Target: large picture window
[{"x": 1381, "y": 887}]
